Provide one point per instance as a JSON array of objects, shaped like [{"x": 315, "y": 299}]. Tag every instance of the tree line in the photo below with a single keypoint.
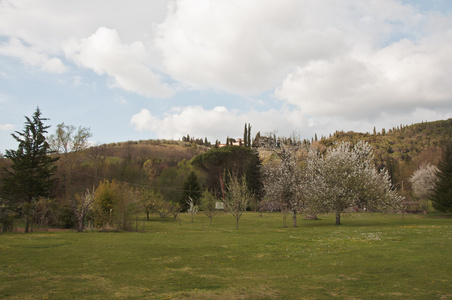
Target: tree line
[{"x": 59, "y": 180}]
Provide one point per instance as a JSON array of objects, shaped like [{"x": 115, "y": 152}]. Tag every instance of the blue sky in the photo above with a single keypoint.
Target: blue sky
[{"x": 164, "y": 69}]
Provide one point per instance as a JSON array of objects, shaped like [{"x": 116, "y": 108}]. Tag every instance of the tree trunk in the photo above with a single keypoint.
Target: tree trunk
[
  {"x": 294, "y": 218},
  {"x": 80, "y": 224},
  {"x": 27, "y": 223},
  {"x": 210, "y": 221},
  {"x": 338, "y": 218},
  {"x": 237, "y": 224},
  {"x": 147, "y": 214}
]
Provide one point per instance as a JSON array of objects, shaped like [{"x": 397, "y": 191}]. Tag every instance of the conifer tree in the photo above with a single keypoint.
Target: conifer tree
[
  {"x": 249, "y": 136},
  {"x": 32, "y": 168},
  {"x": 442, "y": 194},
  {"x": 245, "y": 136},
  {"x": 191, "y": 189}
]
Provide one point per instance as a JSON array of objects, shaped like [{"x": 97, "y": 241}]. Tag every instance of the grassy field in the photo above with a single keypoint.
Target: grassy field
[{"x": 370, "y": 256}]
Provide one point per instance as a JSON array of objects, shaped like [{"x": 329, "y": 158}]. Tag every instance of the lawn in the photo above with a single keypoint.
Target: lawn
[{"x": 370, "y": 256}]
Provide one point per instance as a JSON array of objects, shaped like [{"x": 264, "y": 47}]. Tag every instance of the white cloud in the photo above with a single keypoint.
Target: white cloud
[
  {"x": 43, "y": 31},
  {"x": 220, "y": 122},
  {"x": 326, "y": 125},
  {"x": 216, "y": 123},
  {"x": 241, "y": 46},
  {"x": 326, "y": 57},
  {"x": 48, "y": 24},
  {"x": 104, "y": 53},
  {"x": 32, "y": 57},
  {"x": 401, "y": 77},
  {"x": 250, "y": 46},
  {"x": 7, "y": 127},
  {"x": 336, "y": 64}
]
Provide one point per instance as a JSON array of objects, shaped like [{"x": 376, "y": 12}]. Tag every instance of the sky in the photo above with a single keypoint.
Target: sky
[{"x": 138, "y": 70}]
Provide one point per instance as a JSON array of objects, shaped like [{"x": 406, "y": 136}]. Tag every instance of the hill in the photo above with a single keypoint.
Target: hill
[
  {"x": 165, "y": 163},
  {"x": 402, "y": 149}
]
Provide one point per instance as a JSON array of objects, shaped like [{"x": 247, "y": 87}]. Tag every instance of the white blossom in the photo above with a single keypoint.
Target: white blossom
[{"x": 345, "y": 177}]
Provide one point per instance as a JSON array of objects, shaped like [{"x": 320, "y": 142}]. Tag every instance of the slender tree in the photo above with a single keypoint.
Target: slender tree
[
  {"x": 249, "y": 136},
  {"x": 32, "y": 167},
  {"x": 238, "y": 197},
  {"x": 245, "y": 136},
  {"x": 192, "y": 208},
  {"x": 208, "y": 205}
]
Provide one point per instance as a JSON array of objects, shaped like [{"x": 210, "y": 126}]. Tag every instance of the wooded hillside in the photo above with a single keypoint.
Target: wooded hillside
[
  {"x": 402, "y": 149},
  {"x": 164, "y": 166}
]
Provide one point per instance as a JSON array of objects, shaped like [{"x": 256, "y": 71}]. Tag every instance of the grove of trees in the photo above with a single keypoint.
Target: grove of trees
[{"x": 58, "y": 179}]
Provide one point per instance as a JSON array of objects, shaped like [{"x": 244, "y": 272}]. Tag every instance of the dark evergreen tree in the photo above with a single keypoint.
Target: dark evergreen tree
[
  {"x": 256, "y": 139},
  {"x": 32, "y": 168},
  {"x": 217, "y": 163},
  {"x": 191, "y": 189},
  {"x": 249, "y": 136},
  {"x": 442, "y": 193},
  {"x": 245, "y": 136}
]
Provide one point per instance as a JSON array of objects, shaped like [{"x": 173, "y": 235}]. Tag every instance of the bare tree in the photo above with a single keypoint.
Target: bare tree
[
  {"x": 237, "y": 197},
  {"x": 208, "y": 205},
  {"x": 68, "y": 138},
  {"x": 98, "y": 154},
  {"x": 174, "y": 209}
]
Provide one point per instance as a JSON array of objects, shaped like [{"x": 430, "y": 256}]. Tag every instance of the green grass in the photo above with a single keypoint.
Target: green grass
[{"x": 371, "y": 256}]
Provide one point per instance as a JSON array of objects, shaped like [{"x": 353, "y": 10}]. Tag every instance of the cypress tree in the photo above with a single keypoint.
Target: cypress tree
[
  {"x": 245, "y": 136},
  {"x": 249, "y": 136}
]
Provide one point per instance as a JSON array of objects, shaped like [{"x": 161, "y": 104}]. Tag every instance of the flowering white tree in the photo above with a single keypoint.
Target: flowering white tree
[
  {"x": 192, "y": 208},
  {"x": 82, "y": 205},
  {"x": 345, "y": 177},
  {"x": 284, "y": 181},
  {"x": 423, "y": 182}
]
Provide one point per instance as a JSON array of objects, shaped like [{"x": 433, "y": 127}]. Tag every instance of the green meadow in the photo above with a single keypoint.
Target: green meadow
[{"x": 370, "y": 256}]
